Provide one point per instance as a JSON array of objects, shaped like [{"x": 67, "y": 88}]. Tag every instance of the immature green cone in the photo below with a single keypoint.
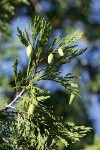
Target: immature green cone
[
  {"x": 50, "y": 58},
  {"x": 60, "y": 51},
  {"x": 29, "y": 50},
  {"x": 71, "y": 98},
  {"x": 30, "y": 110}
]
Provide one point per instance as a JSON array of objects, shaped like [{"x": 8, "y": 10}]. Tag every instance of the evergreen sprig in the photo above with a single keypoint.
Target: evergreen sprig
[{"x": 31, "y": 124}]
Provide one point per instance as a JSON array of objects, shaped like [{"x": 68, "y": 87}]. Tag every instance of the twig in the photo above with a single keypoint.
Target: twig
[
  {"x": 41, "y": 69},
  {"x": 10, "y": 104}
]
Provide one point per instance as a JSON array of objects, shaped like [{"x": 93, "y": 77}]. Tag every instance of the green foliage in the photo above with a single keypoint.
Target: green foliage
[
  {"x": 43, "y": 129},
  {"x": 7, "y": 11},
  {"x": 22, "y": 37}
]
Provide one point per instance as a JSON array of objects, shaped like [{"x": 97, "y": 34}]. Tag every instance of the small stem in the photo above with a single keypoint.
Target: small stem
[
  {"x": 42, "y": 69},
  {"x": 35, "y": 71},
  {"x": 18, "y": 96},
  {"x": 15, "y": 99}
]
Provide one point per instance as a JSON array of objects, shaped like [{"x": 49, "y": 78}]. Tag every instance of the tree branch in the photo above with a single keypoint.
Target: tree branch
[{"x": 12, "y": 102}]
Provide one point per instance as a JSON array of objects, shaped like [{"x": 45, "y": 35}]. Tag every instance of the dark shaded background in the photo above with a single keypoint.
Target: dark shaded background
[{"x": 66, "y": 16}]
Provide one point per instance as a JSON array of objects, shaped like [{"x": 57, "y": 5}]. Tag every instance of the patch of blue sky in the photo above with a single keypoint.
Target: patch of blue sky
[
  {"x": 95, "y": 11},
  {"x": 46, "y": 5}
]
